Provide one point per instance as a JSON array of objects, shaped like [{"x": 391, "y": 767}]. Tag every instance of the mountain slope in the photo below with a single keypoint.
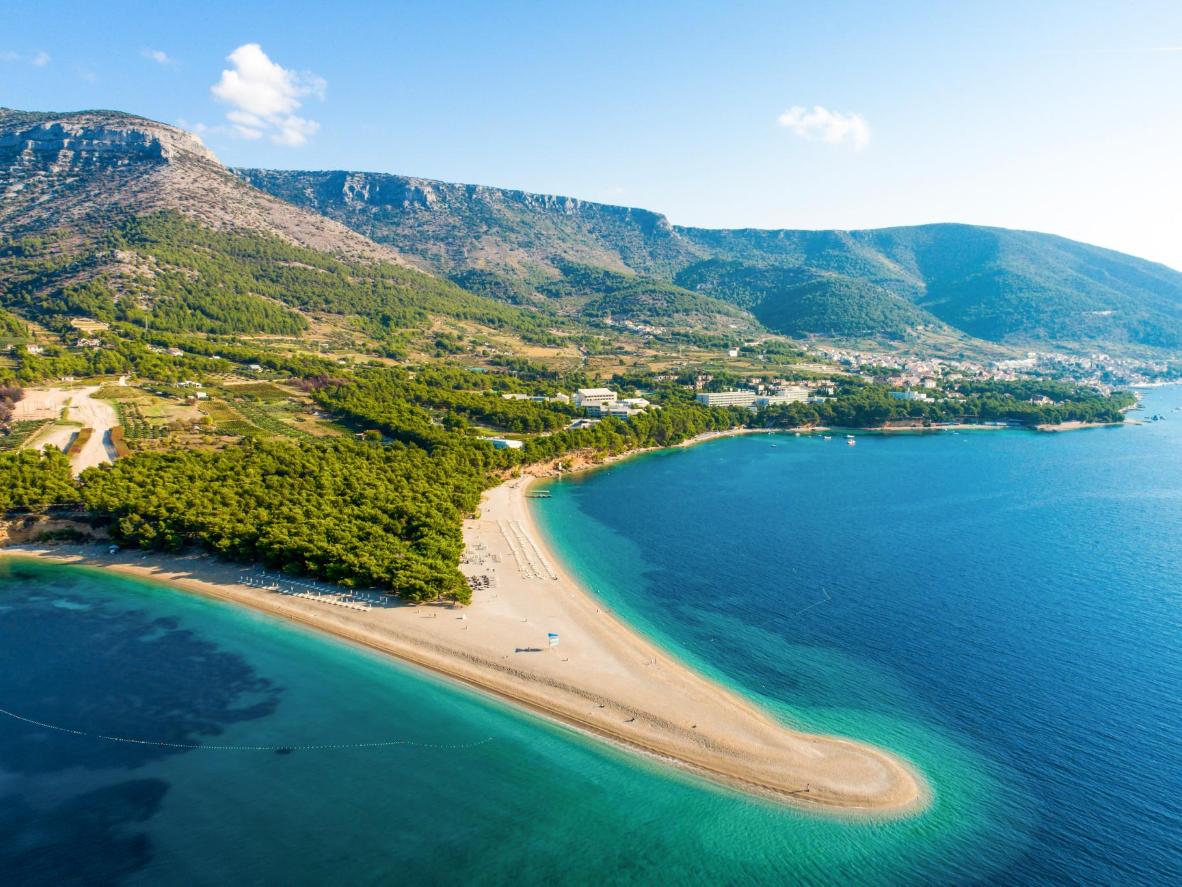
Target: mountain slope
[
  {"x": 459, "y": 227},
  {"x": 87, "y": 169},
  {"x": 989, "y": 283},
  {"x": 120, "y": 219}
]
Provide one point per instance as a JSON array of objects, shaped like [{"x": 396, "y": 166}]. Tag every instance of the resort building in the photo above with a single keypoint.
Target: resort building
[
  {"x": 787, "y": 394},
  {"x": 619, "y": 410},
  {"x": 911, "y": 395},
  {"x": 593, "y": 397},
  {"x": 727, "y": 398}
]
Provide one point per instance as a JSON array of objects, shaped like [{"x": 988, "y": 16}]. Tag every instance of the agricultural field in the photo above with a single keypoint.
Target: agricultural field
[
  {"x": 149, "y": 419},
  {"x": 21, "y": 433}
]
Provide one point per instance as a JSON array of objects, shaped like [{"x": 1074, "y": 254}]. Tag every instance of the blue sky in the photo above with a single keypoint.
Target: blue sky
[{"x": 1053, "y": 116}]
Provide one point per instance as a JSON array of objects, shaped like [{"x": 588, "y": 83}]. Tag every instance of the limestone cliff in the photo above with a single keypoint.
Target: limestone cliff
[{"x": 85, "y": 169}]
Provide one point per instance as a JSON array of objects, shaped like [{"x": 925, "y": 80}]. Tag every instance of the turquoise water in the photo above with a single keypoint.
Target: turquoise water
[{"x": 1002, "y": 608}]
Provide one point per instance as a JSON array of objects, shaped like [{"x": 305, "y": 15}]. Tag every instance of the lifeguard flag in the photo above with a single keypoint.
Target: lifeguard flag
[{"x": 552, "y": 638}]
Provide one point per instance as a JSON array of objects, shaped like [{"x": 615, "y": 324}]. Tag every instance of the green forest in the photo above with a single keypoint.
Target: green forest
[
  {"x": 168, "y": 274},
  {"x": 384, "y": 509}
]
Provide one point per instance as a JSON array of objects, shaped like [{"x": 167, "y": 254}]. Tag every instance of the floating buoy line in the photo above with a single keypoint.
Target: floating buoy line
[{"x": 278, "y": 749}]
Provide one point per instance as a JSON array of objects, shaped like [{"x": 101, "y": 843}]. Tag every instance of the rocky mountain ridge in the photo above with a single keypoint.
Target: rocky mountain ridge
[
  {"x": 995, "y": 284},
  {"x": 85, "y": 170}
]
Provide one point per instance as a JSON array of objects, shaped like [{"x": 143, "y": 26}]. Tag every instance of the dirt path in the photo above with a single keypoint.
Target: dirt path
[{"x": 84, "y": 409}]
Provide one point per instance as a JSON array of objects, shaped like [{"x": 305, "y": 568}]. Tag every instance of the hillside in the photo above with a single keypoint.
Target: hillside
[
  {"x": 1002, "y": 286},
  {"x": 74, "y": 185},
  {"x": 453, "y": 228},
  {"x": 86, "y": 169},
  {"x": 118, "y": 219}
]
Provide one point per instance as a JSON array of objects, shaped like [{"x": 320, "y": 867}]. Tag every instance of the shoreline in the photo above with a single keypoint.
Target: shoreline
[
  {"x": 917, "y": 792},
  {"x": 584, "y": 463},
  {"x": 604, "y": 680}
]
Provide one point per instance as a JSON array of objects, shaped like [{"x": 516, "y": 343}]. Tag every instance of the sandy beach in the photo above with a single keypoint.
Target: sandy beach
[{"x": 603, "y": 678}]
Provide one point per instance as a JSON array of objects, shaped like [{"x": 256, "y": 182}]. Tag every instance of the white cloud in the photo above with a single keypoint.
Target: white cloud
[
  {"x": 832, "y": 127},
  {"x": 37, "y": 59},
  {"x": 159, "y": 56},
  {"x": 265, "y": 97}
]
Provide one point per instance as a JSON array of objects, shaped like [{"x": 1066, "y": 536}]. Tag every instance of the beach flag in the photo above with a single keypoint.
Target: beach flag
[{"x": 552, "y": 638}]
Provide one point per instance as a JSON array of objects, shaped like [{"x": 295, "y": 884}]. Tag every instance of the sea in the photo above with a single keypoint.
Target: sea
[{"x": 1001, "y": 608}]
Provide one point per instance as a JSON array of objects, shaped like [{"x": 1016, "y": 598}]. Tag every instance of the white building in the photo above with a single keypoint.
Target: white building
[
  {"x": 620, "y": 410},
  {"x": 593, "y": 397},
  {"x": 727, "y": 398},
  {"x": 504, "y": 443},
  {"x": 787, "y": 394},
  {"x": 910, "y": 395}
]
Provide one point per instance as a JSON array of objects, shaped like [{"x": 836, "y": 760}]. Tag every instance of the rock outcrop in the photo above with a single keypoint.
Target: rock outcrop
[
  {"x": 453, "y": 227},
  {"x": 83, "y": 170}
]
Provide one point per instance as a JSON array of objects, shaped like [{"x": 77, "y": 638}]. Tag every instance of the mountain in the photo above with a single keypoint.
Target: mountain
[
  {"x": 109, "y": 215},
  {"x": 454, "y": 228},
  {"x": 995, "y": 284},
  {"x": 990, "y": 283},
  {"x": 88, "y": 167},
  {"x": 123, "y": 219}
]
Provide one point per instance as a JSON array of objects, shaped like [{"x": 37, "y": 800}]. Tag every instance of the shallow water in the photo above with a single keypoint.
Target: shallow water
[{"x": 1002, "y": 608}]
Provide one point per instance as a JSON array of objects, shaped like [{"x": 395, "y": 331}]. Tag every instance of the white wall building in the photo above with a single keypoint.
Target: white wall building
[
  {"x": 593, "y": 397},
  {"x": 786, "y": 394},
  {"x": 504, "y": 443},
  {"x": 727, "y": 398},
  {"x": 910, "y": 395}
]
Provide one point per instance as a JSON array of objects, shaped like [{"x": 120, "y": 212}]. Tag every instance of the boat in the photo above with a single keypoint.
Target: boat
[
  {"x": 852, "y": 442},
  {"x": 828, "y": 437}
]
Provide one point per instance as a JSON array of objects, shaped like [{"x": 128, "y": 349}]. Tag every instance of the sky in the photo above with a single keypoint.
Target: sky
[{"x": 1063, "y": 117}]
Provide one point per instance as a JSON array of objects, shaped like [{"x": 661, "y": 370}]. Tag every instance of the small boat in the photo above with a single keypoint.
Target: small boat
[
  {"x": 828, "y": 437},
  {"x": 797, "y": 434},
  {"x": 852, "y": 442},
  {"x": 849, "y": 437}
]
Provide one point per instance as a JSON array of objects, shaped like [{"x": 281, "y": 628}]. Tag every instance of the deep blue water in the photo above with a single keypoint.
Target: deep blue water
[
  {"x": 1017, "y": 598},
  {"x": 1002, "y": 608}
]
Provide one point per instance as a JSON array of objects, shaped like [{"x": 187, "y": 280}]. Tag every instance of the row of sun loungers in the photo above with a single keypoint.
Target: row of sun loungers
[{"x": 315, "y": 591}]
